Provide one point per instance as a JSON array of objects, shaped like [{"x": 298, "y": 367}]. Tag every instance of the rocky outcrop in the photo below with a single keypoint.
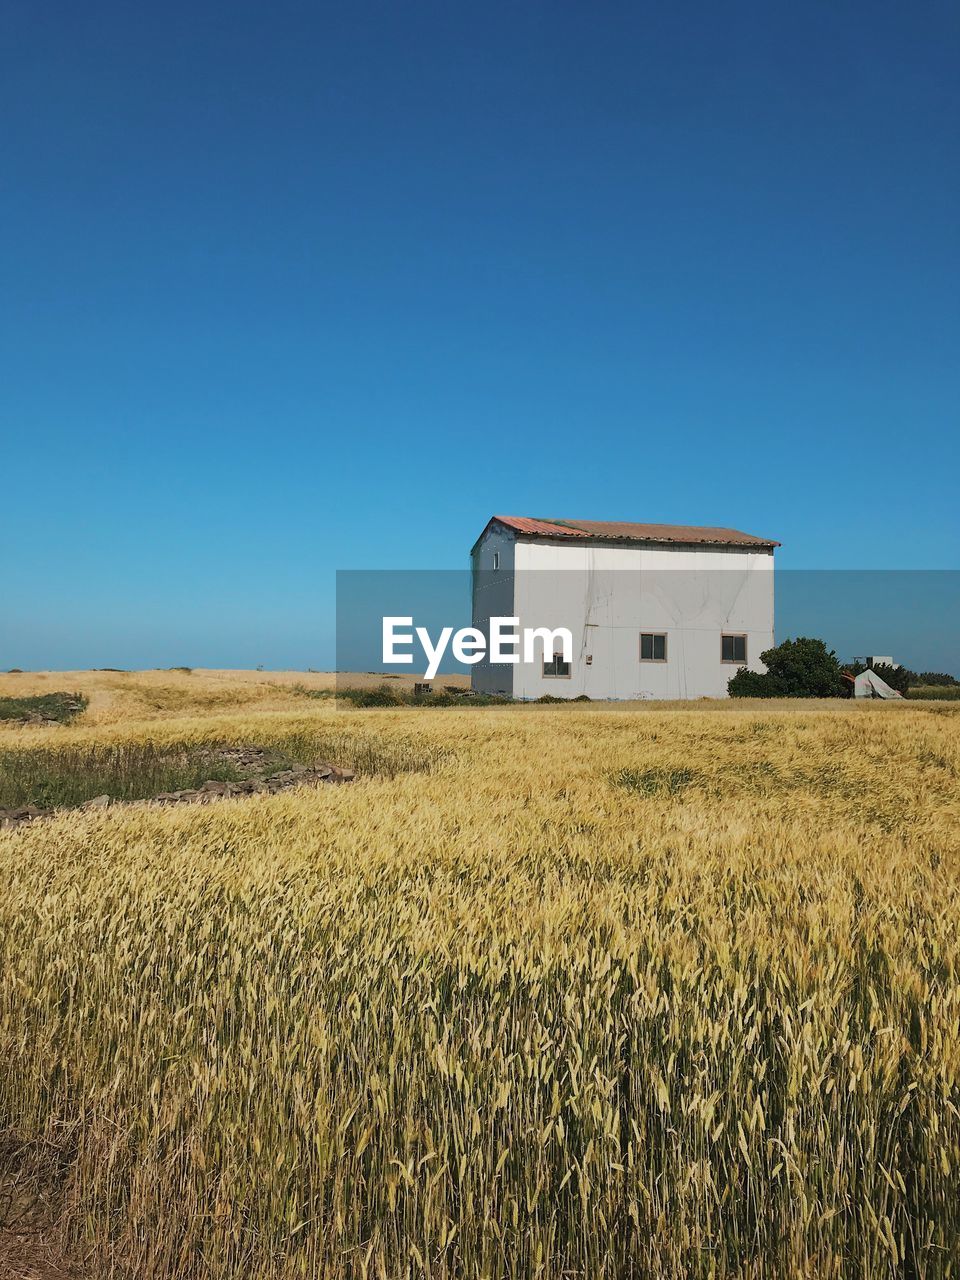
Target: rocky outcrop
[
  {"x": 296, "y": 776},
  {"x": 16, "y": 817}
]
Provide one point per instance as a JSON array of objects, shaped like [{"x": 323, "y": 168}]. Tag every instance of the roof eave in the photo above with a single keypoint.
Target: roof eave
[
  {"x": 570, "y": 533},
  {"x": 759, "y": 545}
]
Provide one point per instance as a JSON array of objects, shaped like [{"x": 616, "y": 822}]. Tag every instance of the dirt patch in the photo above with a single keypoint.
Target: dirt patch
[
  {"x": 31, "y": 1256},
  {"x": 259, "y": 771},
  {"x": 29, "y": 1246}
]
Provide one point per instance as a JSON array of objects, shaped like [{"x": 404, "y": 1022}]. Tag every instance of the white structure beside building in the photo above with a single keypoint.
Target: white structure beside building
[
  {"x": 872, "y": 660},
  {"x": 869, "y": 685},
  {"x": 654, "y": 611}
]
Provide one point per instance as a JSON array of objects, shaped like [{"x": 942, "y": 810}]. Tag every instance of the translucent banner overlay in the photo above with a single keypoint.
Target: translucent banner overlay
[{"x": 647, "y": 633}]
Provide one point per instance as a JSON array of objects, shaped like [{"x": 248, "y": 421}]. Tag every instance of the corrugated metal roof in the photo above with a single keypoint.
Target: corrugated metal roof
[
  {"x": 622, "y": 531},
  {"x": 547, "y": 528}
]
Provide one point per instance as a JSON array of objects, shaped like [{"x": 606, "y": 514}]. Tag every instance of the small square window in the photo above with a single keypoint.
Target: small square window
[
  {"x": 556, "y": 667},
  {"x": 653, "y": 646},
  {"x": 733, "y": 649},
  {"x": 496, "y": 559}
]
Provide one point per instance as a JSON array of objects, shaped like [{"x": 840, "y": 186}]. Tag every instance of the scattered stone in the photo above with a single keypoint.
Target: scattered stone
[
  {"x": 252, "y": 760},
  {"x": 10, "y": 818},
  {"x": 258, "y": 761},
  {"x": 98, "y": 802}
]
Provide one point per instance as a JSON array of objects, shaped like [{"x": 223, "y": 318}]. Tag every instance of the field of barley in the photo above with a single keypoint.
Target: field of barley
[{"x": 592, "y": 991}]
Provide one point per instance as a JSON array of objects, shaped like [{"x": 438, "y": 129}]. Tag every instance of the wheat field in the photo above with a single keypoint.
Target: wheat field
[{"x": 591, "y": 991}]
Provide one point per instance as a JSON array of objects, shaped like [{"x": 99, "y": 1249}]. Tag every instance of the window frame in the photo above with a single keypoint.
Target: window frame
[
  {"x": 734, "y": 635},
  {"x": 496, "y": 560},
  {"x": 654, "y": 636},
  {"x": 556, "y": 675}
]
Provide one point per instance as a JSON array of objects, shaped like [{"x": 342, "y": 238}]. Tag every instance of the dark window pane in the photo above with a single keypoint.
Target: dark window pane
[
  {"x": 646, "y": 647},
  {"x": 659, "y": 648},
  {"x": 734, "y": 648},
  {"x": 556, "y": 666}
]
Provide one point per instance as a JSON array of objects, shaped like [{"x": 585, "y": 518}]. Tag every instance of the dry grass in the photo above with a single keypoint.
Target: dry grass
[
  {"x": 129, "y": 697},
  {"x": 607, "y": 991}
]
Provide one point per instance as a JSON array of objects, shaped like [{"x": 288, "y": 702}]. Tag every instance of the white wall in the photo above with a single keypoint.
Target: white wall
[
  {"x": 493, "y": 597},
  {"x": 608, "y": 595}
]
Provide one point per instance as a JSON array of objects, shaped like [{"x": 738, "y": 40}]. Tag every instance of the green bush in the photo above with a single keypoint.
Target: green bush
[
  {"x": 801, "y": 668},
  {"x": 301, "y": 691},
  {"x": 753, "y": 684},
  {"x": 384, "y": 696},
  {"x": 62, "y": 707}
]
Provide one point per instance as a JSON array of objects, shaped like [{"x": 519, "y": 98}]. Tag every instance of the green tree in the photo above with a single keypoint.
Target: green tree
[{"x": 801, "y": 668}]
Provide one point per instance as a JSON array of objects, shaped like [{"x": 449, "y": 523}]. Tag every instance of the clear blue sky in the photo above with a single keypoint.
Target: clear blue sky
[{"x": 290, "y": 288}]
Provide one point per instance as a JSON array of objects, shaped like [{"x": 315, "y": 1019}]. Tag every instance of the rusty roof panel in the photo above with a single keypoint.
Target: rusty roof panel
[
  {"x": 545, "y": 528},
  {"x": 622, "y": 531}
]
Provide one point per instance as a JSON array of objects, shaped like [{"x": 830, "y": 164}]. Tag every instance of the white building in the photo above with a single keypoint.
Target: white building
[
  {"x": 654, "y": 611},
  {"x": 873, "y": 660}
]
